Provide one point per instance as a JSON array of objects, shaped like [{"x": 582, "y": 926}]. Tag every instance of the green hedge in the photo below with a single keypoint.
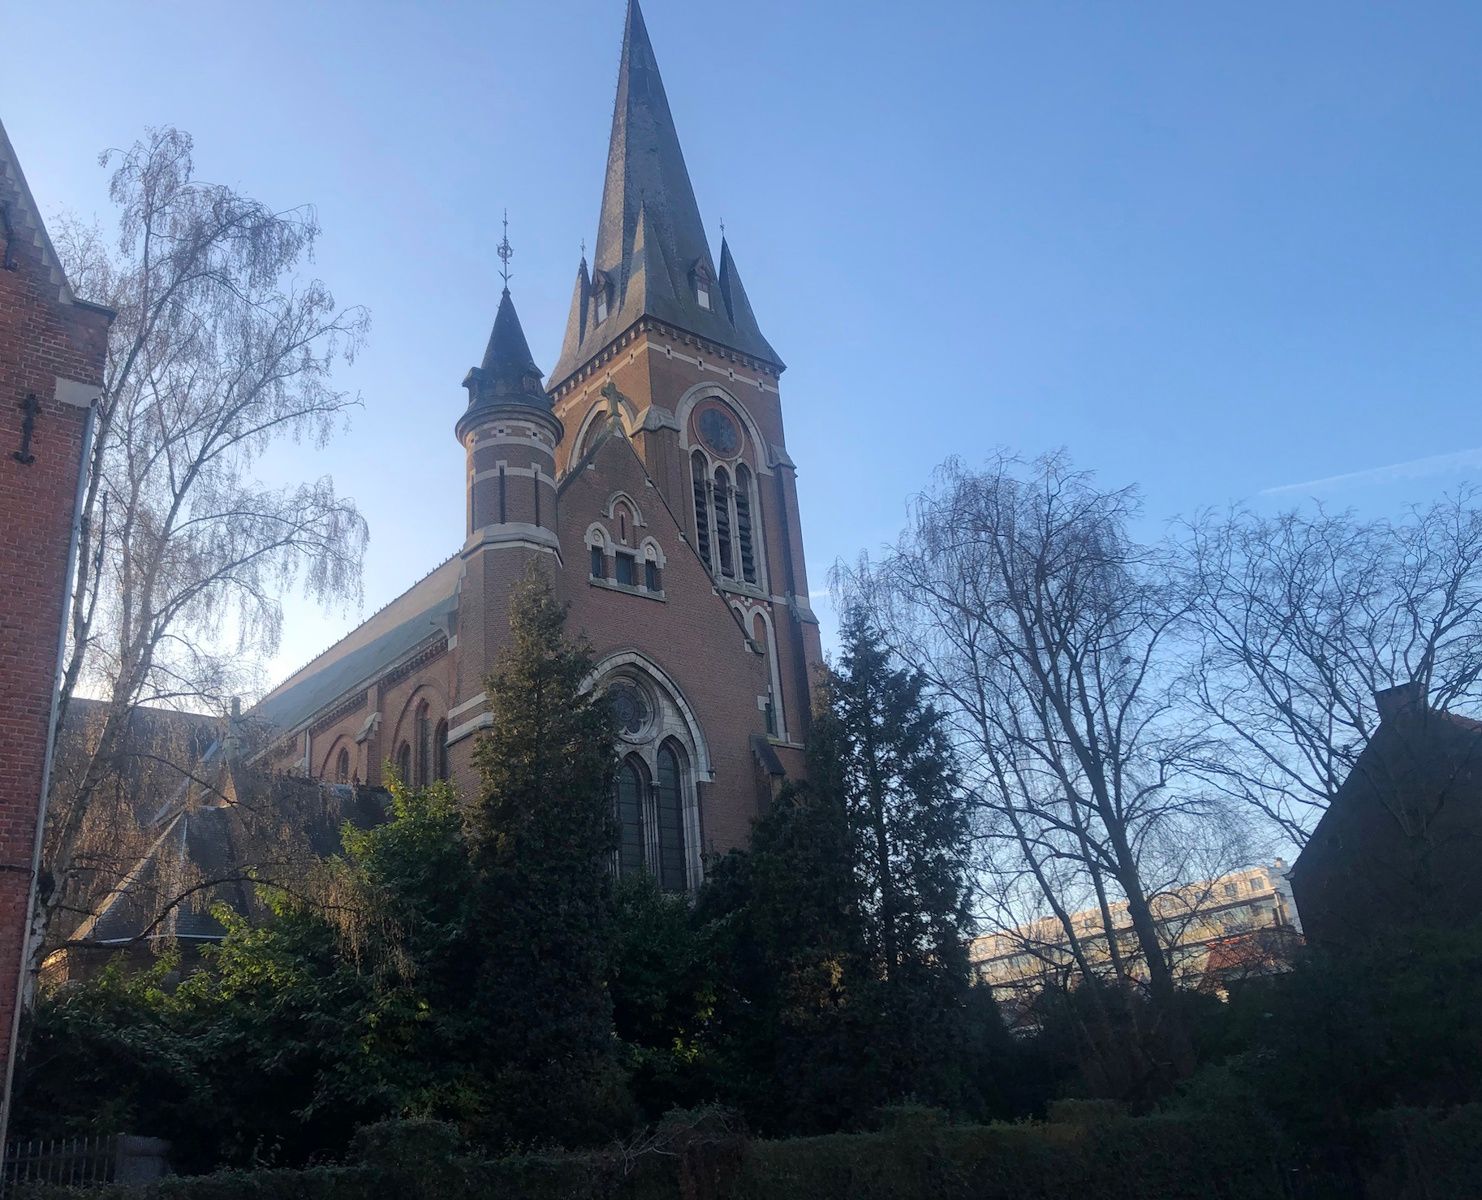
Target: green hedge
[
  {"x": 1434, "y": 1155},
  {"x": 1426, "y": 1154},
  {"x": 1111, "y": 1159},
  {"x": 554, "y": 1177}
]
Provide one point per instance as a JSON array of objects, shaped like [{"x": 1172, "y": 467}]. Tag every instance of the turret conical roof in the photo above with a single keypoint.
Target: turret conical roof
[{"x": 508, "y": 374}]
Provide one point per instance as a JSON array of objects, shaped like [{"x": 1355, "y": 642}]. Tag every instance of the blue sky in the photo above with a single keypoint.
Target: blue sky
[{"x": 1220, "y": 250}]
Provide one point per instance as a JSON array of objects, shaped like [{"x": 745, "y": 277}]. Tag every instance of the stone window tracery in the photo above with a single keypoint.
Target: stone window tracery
[
  {"x": 724, "y": 495},
  {"x": 653, "y": 794}
]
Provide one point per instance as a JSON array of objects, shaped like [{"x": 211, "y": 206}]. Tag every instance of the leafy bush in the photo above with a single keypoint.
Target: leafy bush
[
  {"x": 1072, "y": 1111},
  {"x": 1419, "y": 1154}
]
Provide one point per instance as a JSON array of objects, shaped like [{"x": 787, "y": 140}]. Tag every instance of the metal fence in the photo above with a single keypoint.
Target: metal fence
[
  {"x": 59, "y": 1160},
  {"x": 112, "y": 1158}
]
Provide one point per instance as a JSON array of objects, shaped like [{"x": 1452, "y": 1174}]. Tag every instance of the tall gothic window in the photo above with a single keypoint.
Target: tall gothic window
[
  {"x": 404, "y": 762},
  {"x": 342, "y": 766},
  {"x": 628, "y": 792},
  {"x": 723, "y": 521},
  {"x": 424, "y": 745},
  {"x": 743, "y": 523},
  {"x": 700, "y": 475},
  {"x": 440, "y": 751},
  {"x": 669, "y": 817}
]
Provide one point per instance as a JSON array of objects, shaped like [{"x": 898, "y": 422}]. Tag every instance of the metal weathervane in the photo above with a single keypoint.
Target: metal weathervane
[{"x": 505, "y": 252}]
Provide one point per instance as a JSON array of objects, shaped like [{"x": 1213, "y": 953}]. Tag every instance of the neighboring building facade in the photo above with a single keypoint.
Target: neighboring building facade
[
  {"x": 649, "y": 474},
  {"x": 1215, "y": 933},
  {"x": 52, "y": 352},
  {"x": 1401, "y": 843}
]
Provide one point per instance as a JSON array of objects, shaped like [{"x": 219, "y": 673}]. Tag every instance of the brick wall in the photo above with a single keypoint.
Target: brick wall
[{"x": 51, "y": 360}]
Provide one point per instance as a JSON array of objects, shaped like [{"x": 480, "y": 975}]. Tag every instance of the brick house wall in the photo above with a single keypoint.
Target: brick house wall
[{"x": 52, "y": 351}]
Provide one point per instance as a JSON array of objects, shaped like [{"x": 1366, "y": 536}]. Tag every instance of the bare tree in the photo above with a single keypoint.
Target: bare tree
[
  {"x": 1048, "y": 632},
  {"x": 1302, "y": 617},
  {"x": 219, "y": 352}
]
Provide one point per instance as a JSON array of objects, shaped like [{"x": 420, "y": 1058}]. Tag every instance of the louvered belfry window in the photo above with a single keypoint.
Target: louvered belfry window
[
  {"x": 723, "y": 521},
  {"x": 702, "y": 507},
  {"x": 744, "y": 536}
]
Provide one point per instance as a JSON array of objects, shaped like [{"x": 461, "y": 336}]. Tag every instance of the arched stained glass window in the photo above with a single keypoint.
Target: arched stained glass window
[
  {"x": 669, "y": 803},
  {"x": 440, "y": 750},
  {"x": 628, "y": 800},
  {"x": 342, "y": 766},
  {"x": 404, "y": 762}
]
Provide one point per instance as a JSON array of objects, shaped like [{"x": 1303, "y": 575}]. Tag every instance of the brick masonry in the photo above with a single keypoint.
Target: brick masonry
[{"x": 52, "y": 350}]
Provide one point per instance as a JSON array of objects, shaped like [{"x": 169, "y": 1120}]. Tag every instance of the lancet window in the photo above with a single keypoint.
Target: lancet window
[
  {"x": 724, "y": 498},
  {"x": 653, "y": 791}
]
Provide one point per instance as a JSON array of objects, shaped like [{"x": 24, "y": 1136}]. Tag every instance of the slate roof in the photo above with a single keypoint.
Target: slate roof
[
  {"x": 508, "y": 375},
  {"x": 651, "y": 242},
  {"x": 271, "y": 829},
  {"x": 418, "y": 614}
]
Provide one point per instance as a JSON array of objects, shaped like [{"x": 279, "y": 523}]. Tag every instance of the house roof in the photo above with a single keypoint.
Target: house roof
[{"x": 18, "y": 210}]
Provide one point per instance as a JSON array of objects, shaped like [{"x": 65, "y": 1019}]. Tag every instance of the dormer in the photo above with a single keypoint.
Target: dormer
[
  {"x": 602, "y": 295},
  {"x": 702, "y": 283}
]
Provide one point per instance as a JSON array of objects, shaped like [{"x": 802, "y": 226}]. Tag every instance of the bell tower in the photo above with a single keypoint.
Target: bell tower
[
  {"x": 656, "y": 318},
  {"x": 510, "y": 437}
]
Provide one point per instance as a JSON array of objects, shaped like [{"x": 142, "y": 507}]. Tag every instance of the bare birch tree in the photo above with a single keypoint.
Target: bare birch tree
[
  {"x": 1047, "y": 632},
  {"x": 220, "y": 352},
  {"x": 1302, "y": 617}
]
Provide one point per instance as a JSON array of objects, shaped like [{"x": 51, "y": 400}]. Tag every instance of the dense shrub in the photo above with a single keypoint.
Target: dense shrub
[
  {"x": 1120, "y": 1159},
  {"x": 1416, "y": 1154}
]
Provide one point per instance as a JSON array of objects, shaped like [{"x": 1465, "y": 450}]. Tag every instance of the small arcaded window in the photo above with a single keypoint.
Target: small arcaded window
[
  {"x": 599, "y": 565},
  {"x": 626, "y": 573},
  {"x": 651, "y": 576}
]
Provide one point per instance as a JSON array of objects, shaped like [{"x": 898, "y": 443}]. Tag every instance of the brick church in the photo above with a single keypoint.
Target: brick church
[{"x": 649, "y": 473}]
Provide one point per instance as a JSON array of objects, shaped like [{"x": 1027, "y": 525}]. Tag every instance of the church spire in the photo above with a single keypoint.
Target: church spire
[{"x": 651, "y": 257}]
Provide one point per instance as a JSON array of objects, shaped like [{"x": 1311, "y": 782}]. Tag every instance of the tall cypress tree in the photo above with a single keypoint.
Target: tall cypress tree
[
  {"x": 544, "y": 837},
  {"x": 884, "y": 752}
]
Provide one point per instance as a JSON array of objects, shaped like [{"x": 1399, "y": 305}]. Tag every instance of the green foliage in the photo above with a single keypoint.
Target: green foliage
[
  {"x": 1122, "y": 1160},
  {"x": 292, "y": 1033},
  {"x": 1415, "y": 1154},
  {"x": 109, "y": 1055},
  {"x": 544, "y": 836},
  {"x": 784, "y": 926},
  {"x": 663, "y": 982},
  {"x": 1347, "y": 1034}
]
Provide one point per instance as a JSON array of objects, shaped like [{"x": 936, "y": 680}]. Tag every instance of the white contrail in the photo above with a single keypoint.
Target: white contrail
[{"x": 1415, "y": 468}]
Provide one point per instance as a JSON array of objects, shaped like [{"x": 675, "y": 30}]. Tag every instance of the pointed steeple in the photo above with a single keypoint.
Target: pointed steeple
[
  {"x": 652, "y": 257},
  {"x": 738, "y": 307},
  {"x": 508, "y": 374}
]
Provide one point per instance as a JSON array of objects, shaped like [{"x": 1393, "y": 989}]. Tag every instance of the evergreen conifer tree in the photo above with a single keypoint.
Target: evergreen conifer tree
[
  {"x": 543, "y": 843},
  {"x": 882, "y": 755}
]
